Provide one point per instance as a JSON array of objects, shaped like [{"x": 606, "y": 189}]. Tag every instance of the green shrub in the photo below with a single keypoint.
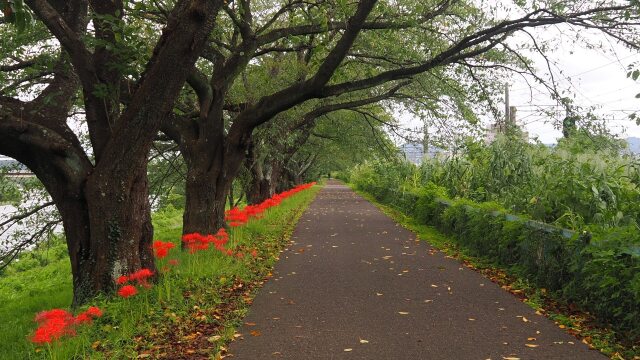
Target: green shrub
[{"x": 601, "y": 272}]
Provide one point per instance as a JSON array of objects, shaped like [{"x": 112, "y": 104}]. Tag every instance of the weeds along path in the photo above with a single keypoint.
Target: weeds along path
[{"x": 355, "y": 285}]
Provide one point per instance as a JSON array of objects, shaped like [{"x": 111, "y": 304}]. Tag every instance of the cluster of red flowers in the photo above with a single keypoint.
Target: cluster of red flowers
[
  {"x": 141, "y": 277},
  {"x": 196, "y": 242},
  {"x": 56, "y": 323},
  {"x": 237, "y": 217},
  {"x": 162, "y": 248}
]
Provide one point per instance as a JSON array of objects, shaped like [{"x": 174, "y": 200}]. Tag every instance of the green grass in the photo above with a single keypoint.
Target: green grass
[
  {"x": 38, "y": 281},
  {"x": 202, "y": 285}
]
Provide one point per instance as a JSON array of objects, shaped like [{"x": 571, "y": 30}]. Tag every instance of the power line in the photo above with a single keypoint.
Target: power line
[{"x": 581, "y": 73}]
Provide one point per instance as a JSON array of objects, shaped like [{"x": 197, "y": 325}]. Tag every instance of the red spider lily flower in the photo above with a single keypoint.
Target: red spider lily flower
[
  {"x": 254, "y": 211},
  {"x": 162, "y": 248},
  {"x": 221, "y": 238},
  {"x": 94, "y": 312},
  {"x": 83, "y": 318},
  {"x": 57, "y": 323},
  {"x": 45, "y": 316},
  {"x": 141, "y": 275},
  {"x": 236, "y": 217},
  {"x": 239, "y": 255},
  {"x": 127, "y": 291},
  {"x": 191, "y": 237},
  {"x": 53, "y": 329},
  {"x": 87, "y": 316},
  {"x": 160, "y": 244},
  {"x": 122, "y": 280},
  {"x": 229, "y": 252},
  {"x": 53, "y": 325},
  {"x": 173, "y": 262},
  {"x": 161, "y": 253},
  {"x": 254, "y": 253},
  {"x": 196, "y": 242}
]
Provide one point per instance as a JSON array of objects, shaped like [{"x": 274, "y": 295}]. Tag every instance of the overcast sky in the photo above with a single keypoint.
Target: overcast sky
[
  {"x": 594, "y": 77},
  {"x": 592, "y": 69}
]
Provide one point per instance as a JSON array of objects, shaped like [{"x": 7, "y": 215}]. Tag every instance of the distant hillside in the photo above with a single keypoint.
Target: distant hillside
[{"x": 633, "y": 142}]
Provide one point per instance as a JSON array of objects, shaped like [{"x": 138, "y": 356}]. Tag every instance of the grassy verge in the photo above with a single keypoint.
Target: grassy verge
[
  {"x": 191, "y": 312},
  {"x": 578, "y": 323}
]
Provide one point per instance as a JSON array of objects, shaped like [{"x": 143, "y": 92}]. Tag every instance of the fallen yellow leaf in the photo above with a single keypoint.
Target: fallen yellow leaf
[
  {"x": 214, "y": 338},
  {"x": 347, "y": 350},
  {"x": 531, "y": 345},
  {"x": 190, "y": 336},
  {"x": 255, "y": 333},
  {"x": 363, "y": 341},
  {"x": 403, "y": 313}
]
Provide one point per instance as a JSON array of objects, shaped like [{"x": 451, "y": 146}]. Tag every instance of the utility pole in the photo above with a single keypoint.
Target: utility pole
[
  {"x": 425, "y": 141},
  {"x": 512, "y": 116},
  {"x": 507, "y": 109}
]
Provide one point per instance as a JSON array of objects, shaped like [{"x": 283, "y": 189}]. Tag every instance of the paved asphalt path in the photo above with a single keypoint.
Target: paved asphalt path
[{"x": 355, "y": 285}]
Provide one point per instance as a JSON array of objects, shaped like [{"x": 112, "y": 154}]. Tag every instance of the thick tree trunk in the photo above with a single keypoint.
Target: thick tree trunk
[
  {"x": 260, "y": 185},
  {"x": 120, "y": 233},
  {"x": 278, "y": 184},
  {"x": 209, "y": 179},
  {"x": 259, "y": 190},
  {"x": 205, "y": 201}
]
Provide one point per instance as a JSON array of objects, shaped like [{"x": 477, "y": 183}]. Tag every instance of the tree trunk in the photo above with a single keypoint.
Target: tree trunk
[
  {"x": 205, "y": 204},
  {"x": 206, "y": 192},
  {"x": 209, "y": 179},
  {"x": 120, "y": 233},
  {"x": 259, "y": 191},
  {"x": 260, "y": 186},
  {"x": 277, "y": 180}
]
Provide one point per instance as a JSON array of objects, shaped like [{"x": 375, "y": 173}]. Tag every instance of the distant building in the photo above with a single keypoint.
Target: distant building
[
  {"x": 491, "y": 133},
  {"x": 413, "y": 152},
  {"x": 499, "y": 127}
]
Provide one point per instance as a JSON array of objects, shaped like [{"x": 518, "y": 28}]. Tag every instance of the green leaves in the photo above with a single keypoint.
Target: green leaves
[{"x": 16, "y": 13}]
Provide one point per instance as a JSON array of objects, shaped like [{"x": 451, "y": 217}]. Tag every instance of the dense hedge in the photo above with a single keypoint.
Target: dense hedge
[{"x": 599, "y": 271}]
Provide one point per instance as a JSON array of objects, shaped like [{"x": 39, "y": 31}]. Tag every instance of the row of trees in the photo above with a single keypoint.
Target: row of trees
[{"x": 206, "y": 74}]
